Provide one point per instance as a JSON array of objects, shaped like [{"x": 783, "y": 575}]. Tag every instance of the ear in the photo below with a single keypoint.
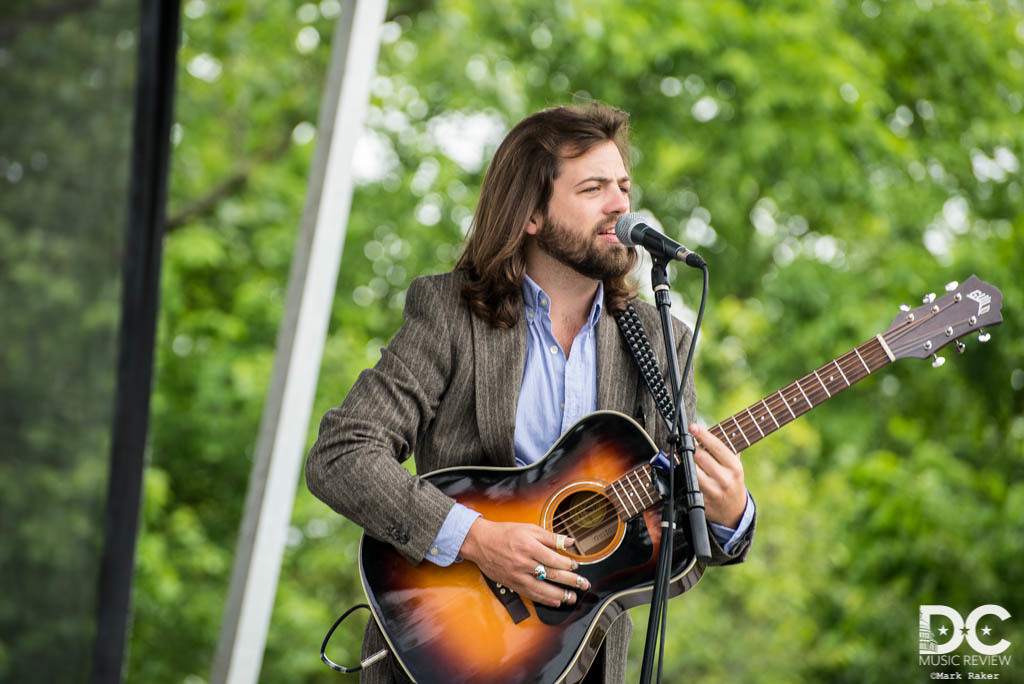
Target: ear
[{"x": 533, "y": 224}]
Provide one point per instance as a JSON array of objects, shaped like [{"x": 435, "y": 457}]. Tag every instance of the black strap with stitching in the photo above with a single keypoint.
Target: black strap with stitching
[{"x": 640, "y": 346}]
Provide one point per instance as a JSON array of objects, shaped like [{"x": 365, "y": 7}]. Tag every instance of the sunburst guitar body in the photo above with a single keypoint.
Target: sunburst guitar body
[{"x": 451, "y": 624}]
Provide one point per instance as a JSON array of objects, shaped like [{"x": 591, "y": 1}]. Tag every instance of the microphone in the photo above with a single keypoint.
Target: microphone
[{"x": 632, "y": 229}]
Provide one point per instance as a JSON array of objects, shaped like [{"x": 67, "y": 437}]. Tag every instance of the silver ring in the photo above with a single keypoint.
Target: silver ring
[
  {"x": 540, "y": 572},
  {"x": 560, "y": 542},
  {"x": 566, "y": 595},
  {"x": 579, "y": 581}
]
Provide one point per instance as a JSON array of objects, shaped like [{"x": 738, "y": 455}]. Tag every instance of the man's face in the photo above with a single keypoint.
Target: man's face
[{"x": 578, "y": 229}]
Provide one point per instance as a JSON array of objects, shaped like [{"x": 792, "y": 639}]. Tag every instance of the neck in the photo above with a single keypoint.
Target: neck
[{"x": 572, "y": 294}]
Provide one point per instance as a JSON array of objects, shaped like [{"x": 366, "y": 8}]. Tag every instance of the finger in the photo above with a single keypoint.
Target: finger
[
  {"x": 713, "y": 468},
  {"x": 552, "y": 540},
  {"x": 546, "y": 552},
  {"x": 709, "y": 486},
  {"x": 569, "y": 579},
  {"x": 554, "y": 595},
  {"x": 553, "y": 560},
  {"x": 714, "y": 446}
]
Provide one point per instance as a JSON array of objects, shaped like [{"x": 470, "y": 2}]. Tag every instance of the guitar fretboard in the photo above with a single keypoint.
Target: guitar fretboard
[
  {"x": 761, "y": 419},
  {"x": 634, "y": 492}
]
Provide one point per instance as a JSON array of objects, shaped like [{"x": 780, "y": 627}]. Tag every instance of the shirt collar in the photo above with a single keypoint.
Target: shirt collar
[{"x": 535, "y": 299}]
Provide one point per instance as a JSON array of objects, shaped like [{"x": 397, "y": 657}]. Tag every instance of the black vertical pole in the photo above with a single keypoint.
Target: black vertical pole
[{"x": 159, "y": 28}]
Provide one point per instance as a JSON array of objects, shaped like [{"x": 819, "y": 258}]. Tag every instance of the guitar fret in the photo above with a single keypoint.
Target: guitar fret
[
  {"x": 742, "y": 434},
  {"x": 646, "y": 486},
  {"x": 635, "y": 493},
  {"x": 822, "y": 385},
  {"x": 755, "y": 423},
  {"x": 777, "y": 426},
  {"x": 840, "y": 369},
  {"x": 797, "y": 383},
  {"x": 622, "y": 504},
  {"x": 786, "y": 403},
  {"x": 645, "y": 475},
  {"x": 862, "y": 361},
  {"x": 726, "y": 437}
]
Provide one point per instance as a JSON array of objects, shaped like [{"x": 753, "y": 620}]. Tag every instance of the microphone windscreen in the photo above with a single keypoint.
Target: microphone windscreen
[{"x": 624, "y": 226}]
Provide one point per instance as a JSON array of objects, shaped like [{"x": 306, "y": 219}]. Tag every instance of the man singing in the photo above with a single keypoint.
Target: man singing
[{"x": 497, "y": 358}]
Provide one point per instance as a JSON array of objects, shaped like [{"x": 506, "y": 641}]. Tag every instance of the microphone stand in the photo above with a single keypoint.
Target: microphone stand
[{"x": 681, "y": 442}]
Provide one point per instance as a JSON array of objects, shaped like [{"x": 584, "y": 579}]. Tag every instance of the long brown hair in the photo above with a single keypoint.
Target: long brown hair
[{"x": 519, "y": 182}]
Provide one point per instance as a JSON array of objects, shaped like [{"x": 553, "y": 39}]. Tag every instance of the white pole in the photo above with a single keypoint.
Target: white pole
[{"x": 300, "y": 344}]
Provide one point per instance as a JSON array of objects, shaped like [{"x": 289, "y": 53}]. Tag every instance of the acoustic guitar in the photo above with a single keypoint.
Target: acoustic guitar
[{"x": 597, "y": 485}]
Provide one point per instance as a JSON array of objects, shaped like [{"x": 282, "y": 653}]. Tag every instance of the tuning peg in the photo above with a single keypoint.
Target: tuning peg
[
  {"x": 904, "y": 308},
  {"x": 938, "y": 361},
  {"x": 960, "y": 347},
  {"x": 983, "y": 336},
  {"x": 952, "y": 285},
  {"x": 929, "y": 298}
]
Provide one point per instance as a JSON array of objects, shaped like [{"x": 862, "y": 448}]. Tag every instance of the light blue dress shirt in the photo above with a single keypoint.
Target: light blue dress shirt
[{"x": 556, "y": 391}]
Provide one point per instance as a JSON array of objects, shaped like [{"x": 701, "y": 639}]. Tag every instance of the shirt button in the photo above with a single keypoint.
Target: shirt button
[
  {"x": 530, "y": 315},
  {"x": 543, "y": 302},
  {"x": 554, "y": 349},
  {"x": 434, "y": 551}
]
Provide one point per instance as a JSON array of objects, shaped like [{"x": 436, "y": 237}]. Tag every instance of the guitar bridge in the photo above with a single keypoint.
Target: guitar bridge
[{"x": 517, "y": 610}]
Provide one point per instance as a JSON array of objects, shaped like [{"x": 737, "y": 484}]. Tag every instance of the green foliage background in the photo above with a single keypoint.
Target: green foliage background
[{"x": 830, "y": 160}]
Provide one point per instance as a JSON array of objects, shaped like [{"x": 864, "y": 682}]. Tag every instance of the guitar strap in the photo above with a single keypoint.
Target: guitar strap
[{"x": 640, "y": 346}]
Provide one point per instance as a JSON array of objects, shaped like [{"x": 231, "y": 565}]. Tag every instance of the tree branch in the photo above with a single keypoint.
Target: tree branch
[{"x": 227, "y": 187}]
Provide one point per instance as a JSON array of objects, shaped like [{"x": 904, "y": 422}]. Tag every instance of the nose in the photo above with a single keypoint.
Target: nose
[{"x": 617, "y": 202}]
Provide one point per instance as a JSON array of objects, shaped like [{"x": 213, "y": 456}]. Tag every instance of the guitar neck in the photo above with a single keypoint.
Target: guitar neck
[
  {"x": 635, "y": 492},
  {"x": 761, "y": 419}
]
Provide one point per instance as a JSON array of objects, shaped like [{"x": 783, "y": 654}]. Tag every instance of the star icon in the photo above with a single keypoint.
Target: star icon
[
  {"x": 986, "y": 630},
  {"x": 942, "y": 631}
]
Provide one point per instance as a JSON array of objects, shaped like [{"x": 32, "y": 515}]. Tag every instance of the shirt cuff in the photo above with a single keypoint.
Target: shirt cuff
[
  {"x": 727, "y": 536},
  {"x": 445, "y": 548}
]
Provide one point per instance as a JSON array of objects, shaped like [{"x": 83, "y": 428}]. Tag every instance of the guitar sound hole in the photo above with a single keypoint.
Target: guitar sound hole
[{"x": 589, "y": 518}]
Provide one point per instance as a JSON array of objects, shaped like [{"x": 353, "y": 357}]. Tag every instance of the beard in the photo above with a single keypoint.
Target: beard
[{"x": 584, "y": 253}]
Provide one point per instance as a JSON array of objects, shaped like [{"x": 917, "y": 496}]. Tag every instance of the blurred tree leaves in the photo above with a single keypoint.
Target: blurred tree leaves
[{"x": 830, "y": 161}]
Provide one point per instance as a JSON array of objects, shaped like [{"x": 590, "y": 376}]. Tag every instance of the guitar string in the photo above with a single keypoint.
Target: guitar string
[
  {"x": 596, "y": 501},
  {"x": 892, "y": 337},
  {"x": 592, "y": 503},
  {"x": 811, "y": 394},
  {"x": 814, "y": 391}
]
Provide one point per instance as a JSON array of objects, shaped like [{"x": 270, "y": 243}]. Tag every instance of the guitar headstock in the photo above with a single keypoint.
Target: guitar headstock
[{"x": 965, "y": 308}]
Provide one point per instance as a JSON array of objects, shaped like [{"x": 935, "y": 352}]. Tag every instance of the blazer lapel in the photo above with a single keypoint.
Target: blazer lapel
[
  {"x": 617, "y": 377},
  {"x": 499, "y": 357}
]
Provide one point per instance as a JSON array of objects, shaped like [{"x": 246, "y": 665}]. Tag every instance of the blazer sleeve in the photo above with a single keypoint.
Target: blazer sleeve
[{"x": 355, "y": 466}]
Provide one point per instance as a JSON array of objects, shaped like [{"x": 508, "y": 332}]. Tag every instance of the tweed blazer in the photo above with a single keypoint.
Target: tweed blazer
[{"x": 445, "y": 391}]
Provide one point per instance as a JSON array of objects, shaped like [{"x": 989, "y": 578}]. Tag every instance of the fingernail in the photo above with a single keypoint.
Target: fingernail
[
  {"x": 574, "y": 565},
  {"x": 586, "y": 584},
  {"x": 570, "y": 541},
  {"x": 694, "y": 428}
]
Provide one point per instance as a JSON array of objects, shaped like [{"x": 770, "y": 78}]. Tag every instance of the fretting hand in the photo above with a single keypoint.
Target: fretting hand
[{"x": 720, "y": 476}]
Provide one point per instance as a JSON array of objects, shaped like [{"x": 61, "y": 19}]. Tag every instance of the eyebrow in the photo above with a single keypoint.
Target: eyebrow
[{"x": 602, "y": 180}]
